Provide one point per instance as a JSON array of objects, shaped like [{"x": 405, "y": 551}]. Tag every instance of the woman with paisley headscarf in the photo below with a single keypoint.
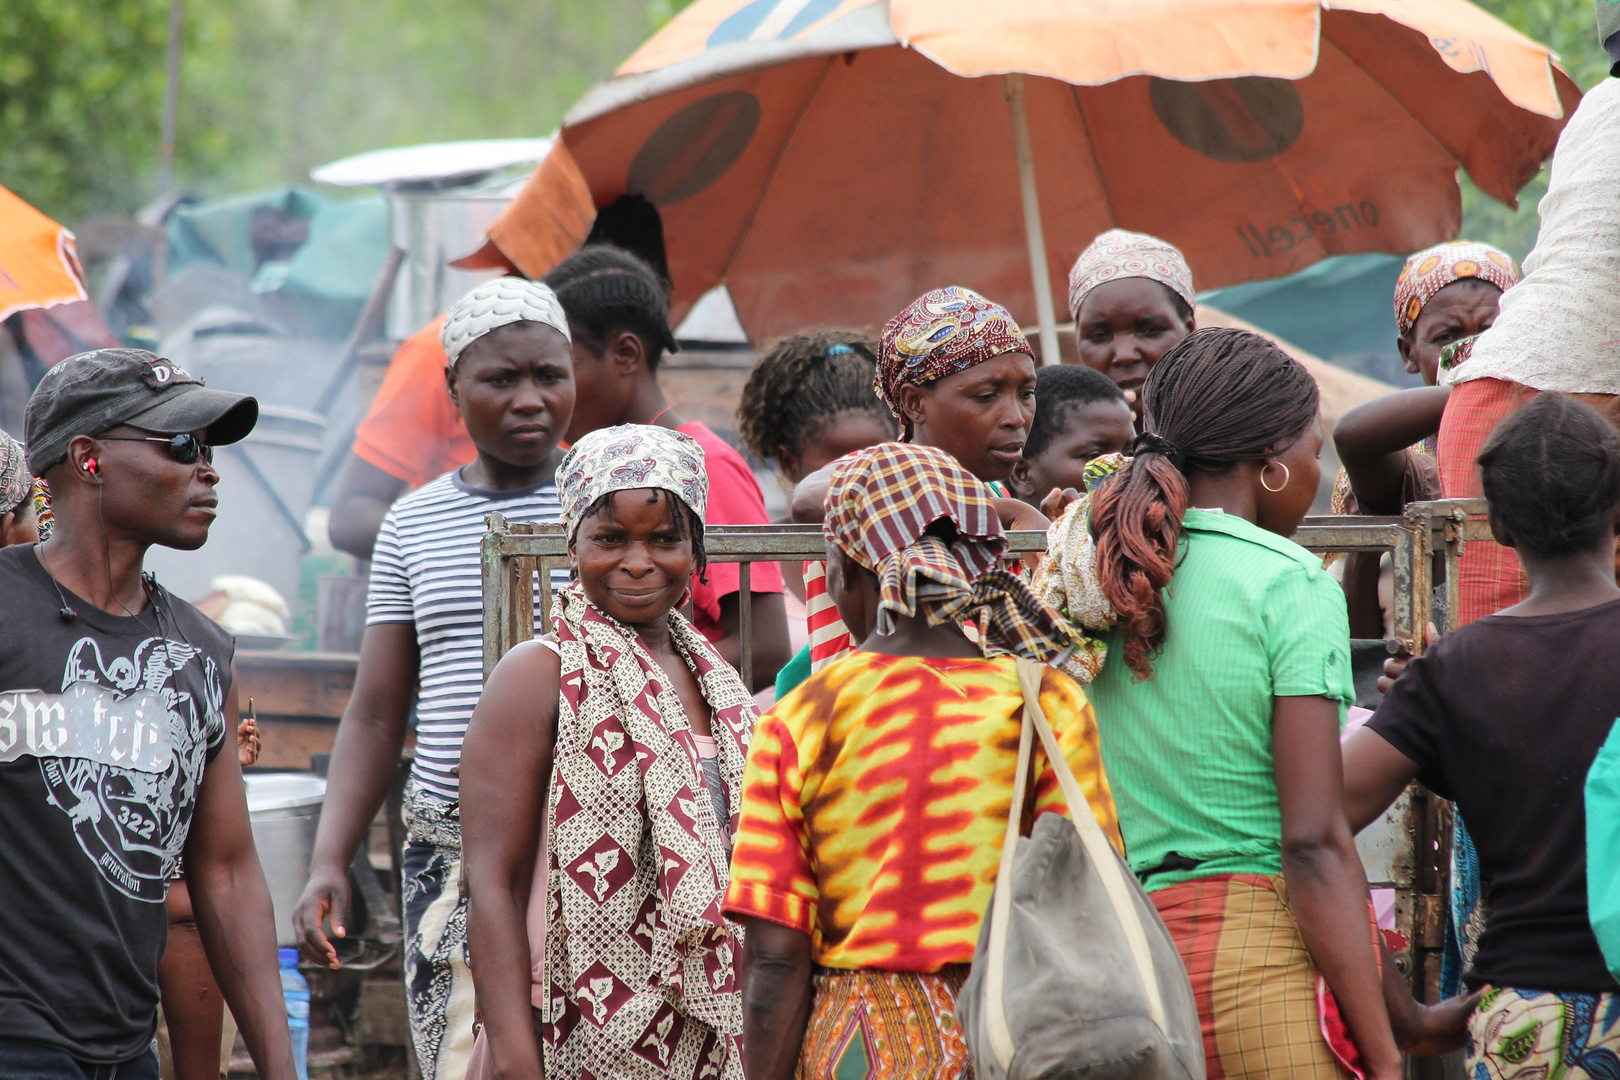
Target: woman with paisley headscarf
[
  {"x": 1445, "y": 294},
  {"x": 620, "y": 739},
  {"x": 878, "y": 792},
  {"x": 958, "y": 374}
]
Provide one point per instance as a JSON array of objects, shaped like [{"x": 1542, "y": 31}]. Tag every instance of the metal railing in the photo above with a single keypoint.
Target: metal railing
[{"x": 1412, "y": 848}]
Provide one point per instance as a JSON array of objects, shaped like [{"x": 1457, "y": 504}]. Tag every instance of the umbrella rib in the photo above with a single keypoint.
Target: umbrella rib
[
  {"x": 776, "y": 161},
  {"x": 1091, "y": 149}
]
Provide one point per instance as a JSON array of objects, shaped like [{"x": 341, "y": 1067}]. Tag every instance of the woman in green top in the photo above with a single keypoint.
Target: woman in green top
[{"x": 1220, "y": 704}]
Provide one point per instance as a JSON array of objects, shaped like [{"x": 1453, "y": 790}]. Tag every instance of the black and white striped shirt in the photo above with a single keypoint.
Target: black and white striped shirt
[{"x": 426, "y": 570}]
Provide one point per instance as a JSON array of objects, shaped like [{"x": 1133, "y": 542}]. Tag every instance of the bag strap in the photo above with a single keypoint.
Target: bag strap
[
  {"x": 1109, "y": 867},
  {"x": 996, "y": 1030}
]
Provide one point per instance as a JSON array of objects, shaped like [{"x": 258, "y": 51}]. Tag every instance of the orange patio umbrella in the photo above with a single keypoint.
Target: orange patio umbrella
[
  {"x": 829, "y": 160},
  {"x": 39, "y": 267}
]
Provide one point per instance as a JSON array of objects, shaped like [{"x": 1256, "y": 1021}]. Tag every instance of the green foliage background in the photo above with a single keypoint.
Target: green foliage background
[{"x": 271, "y": 88}]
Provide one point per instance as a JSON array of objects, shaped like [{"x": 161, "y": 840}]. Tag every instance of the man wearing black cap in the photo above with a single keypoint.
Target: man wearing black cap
[{"x": 115, "y": 700}]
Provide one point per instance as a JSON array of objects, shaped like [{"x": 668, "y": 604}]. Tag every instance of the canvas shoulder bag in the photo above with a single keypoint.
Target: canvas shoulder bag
[{"x": 1075, "y": 974}]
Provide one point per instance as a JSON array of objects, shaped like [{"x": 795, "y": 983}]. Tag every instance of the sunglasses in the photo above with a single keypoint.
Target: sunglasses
[{"x": 185, "y": 449}]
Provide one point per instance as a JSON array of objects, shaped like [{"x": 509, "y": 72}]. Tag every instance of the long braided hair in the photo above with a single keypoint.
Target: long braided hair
[
  {"x": 801, "y": 383},
  {"x": 605, "y": 289},
  {"x": 1219, "y": 397}
]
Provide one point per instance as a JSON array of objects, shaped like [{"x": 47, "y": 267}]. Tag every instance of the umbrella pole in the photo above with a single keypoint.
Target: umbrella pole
[{"x": 1013, "y": 85}]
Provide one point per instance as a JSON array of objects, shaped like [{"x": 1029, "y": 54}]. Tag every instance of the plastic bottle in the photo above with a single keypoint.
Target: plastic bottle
[{"x": 295, "y": 992}]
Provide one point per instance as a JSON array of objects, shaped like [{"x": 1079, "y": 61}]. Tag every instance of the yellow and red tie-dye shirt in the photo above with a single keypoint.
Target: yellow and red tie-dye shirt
[{"x": 876, "y": 799}]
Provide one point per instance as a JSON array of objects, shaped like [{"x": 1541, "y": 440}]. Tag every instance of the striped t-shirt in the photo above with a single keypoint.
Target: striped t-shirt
[{"x": 426, "y": 570}]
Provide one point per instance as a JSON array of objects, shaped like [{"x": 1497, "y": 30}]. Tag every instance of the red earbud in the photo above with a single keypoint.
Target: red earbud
[{"x": 90, "y": 466}]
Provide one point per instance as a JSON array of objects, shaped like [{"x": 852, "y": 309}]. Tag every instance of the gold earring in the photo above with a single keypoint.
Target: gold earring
[{"x": 1287, "y": 476}]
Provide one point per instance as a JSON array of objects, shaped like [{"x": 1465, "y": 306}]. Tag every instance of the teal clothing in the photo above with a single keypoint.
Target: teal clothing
[
  {"x": 1250, "y": 616},
  {"x": 794, "y": 672}
]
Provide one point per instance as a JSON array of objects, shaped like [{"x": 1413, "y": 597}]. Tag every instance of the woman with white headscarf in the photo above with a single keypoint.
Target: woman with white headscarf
[
  {"x": 510, "y": 375},
  {"x": 614, "y": 748}
]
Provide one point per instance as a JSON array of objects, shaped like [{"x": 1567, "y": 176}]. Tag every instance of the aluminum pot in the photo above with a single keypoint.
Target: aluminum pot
[{"x": 284, "y": 809}]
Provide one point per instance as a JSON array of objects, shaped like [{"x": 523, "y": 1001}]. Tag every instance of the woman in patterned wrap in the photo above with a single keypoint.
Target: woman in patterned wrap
[
  {"x": 877, "y": 792},
  {"x": 607, "y": 955}
]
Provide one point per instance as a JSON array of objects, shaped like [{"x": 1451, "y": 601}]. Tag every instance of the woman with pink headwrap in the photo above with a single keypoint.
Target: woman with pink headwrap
[{"x": 1131, "y": 297}]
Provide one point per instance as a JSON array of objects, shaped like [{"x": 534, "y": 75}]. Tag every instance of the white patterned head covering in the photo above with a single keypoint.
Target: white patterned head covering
[
  {"x": 16, "y": 482},
  {"x": 627, "y": 457},
  {"x": 1121, "y": 254},
  {"x": 499, "y": 303}
]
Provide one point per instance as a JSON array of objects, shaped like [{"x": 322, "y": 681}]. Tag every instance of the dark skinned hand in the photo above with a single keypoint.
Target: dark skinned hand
[
  {"x": 1424, "y": 1030},
  {"x": 1059, "y": 500},
  {"x": 1395, "y": 666}
]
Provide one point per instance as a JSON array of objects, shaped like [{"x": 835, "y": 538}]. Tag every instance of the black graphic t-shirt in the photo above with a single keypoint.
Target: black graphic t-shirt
[{"x": 106, "y": 725}]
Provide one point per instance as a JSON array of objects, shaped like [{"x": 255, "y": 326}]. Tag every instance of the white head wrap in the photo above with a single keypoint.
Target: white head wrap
[
  {"x": 499, "y": 303},
  {"x": 1119, "y": 254}
]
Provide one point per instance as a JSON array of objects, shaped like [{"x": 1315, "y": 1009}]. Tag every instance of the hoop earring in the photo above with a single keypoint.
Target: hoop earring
[{"x": 1287, "y": 476}]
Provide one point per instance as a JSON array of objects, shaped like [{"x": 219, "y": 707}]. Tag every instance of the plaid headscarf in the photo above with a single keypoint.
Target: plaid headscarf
[
  {"x": 882, "y": 501},
  {"x": 1432, "y": 269},
  {"x": 938, "y": 334},
  {"x": 627, "y": 457},
  {"x": 1118, "y": 254},
  {"x": 16, "y": 482}
]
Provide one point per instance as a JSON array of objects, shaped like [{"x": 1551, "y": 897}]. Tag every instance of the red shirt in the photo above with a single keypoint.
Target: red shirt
[{"x": 734, "y": 499}]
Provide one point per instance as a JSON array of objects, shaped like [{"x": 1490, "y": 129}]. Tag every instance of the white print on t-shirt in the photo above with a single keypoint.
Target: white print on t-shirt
[
  {"x": 132, "y": 823},
  {"x": 87, "y": 721}
]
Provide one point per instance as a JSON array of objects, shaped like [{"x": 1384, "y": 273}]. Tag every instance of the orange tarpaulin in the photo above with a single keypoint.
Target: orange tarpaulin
[
  {"x": 38, "y": 264},
  {"x": 829, "y": 160}
]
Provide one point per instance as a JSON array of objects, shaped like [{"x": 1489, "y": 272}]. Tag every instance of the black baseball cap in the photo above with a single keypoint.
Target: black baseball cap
[{"x": 96, "y": 391}]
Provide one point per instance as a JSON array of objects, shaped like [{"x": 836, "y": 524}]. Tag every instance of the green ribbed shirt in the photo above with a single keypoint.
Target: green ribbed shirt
[{"x": 1249, "y": 616}]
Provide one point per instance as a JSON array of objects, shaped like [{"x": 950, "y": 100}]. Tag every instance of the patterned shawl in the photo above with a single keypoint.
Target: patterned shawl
[
  {"x": 640, "y": 964},
  {"x": 881, "y": 504},
  {"x": 1067, "y": 580},
  {"x": 938, "y": 334},
  {"x": 1432, "y": 269}
]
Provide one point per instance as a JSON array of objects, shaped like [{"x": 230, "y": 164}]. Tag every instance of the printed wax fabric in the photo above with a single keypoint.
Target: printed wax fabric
[
  {"x": 640, "y": 964},
  {"x": 1537, "y": 1034},
  {"x": 93, "y": 823},
  {"x": 1118, "y": 254},
  {"x": 1556, "y": 328},
  {"x": 43, "y": 511},
  {"x": 1432, "y": 269},
  {"x": 1252, "y": 977},
  {"x": 16, "y": 482},
  {"x": 882, "y": 503},
  {"x": 439, "y": 999},
  {"x": 938, "y": 334},
  {"x": 1250, "y": 616},
  {"x": 1504, "y": 717},
  {"x": 885, "y": 1025},
  {"x": 877, "y": 797}
]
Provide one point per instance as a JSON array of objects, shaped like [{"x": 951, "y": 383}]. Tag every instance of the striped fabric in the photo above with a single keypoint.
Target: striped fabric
[
  {"x": 1489, "y": 577},
  {"x": 829, "y": 637},
  {"x": 1254, "y": 982},
  {"x": 426, "y": 570}
]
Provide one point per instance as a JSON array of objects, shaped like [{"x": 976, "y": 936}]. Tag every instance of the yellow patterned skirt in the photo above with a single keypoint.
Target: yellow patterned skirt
[{"x": 885, "y": 1025}]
